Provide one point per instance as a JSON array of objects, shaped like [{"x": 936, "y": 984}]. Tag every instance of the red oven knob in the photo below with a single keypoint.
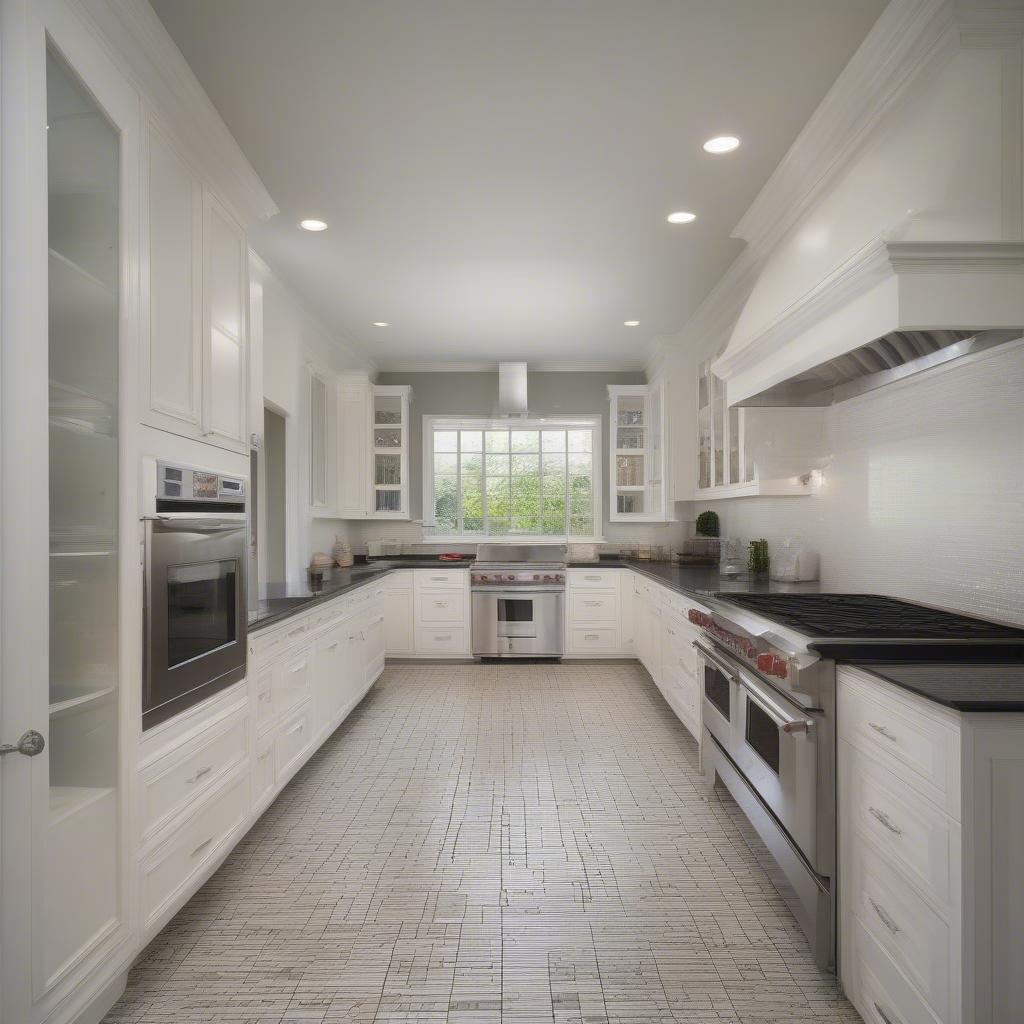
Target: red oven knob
[
  {"x": 694, "y": 616},
  {"x": 779, "y": 667},
  {"x": 764, "y": 663}
]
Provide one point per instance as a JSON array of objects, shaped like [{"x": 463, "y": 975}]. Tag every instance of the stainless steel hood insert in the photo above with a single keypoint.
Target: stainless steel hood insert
[{"x": 894, "y": 356}]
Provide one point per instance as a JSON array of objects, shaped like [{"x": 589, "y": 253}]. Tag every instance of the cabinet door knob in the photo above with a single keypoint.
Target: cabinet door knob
[{"x": 30, "y": 743}]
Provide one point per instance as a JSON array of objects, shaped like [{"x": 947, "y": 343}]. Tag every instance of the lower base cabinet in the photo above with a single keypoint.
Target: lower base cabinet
[
  {"x": 931, "y": 842},
  {"x": 426, "y": 615},
  {"x": 664, "y": 646},
  {"x": 205, "y": 779}
]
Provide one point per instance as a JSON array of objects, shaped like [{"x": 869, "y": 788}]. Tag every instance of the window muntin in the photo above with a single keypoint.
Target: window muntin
[{"x": 530, "y": 479}]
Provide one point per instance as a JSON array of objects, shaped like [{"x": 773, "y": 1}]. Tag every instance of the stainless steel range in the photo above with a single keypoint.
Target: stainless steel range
[
  {"x": 518, "y": 596},
  {"x": 769, "y": 708}
]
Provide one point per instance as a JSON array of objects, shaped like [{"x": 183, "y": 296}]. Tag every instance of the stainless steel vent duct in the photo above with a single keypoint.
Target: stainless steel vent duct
[{"x": 892, "y": 357}]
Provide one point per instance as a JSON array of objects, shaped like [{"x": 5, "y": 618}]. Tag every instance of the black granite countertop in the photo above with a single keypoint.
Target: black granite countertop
[
  {"x": 286, "y": 599},
  {"x": 967, "y": 687},
  {"x": 699, "y": 581}
]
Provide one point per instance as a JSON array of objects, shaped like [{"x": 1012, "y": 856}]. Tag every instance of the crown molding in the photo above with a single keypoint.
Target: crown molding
[
  {"x": 878, "y": 261},
  {"x": 142, "y": 48},
  {"x": 909, "y": 37}
]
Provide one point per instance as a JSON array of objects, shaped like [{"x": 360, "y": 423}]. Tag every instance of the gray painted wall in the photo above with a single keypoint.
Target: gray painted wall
[{"x": 476, "y": 394}]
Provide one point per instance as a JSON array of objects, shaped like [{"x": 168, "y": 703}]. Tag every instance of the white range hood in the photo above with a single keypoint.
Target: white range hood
[{"x": 894, "y": 308}]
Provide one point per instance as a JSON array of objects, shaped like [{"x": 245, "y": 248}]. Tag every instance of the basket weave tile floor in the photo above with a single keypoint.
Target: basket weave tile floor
[{"x": 481, "y": 843}]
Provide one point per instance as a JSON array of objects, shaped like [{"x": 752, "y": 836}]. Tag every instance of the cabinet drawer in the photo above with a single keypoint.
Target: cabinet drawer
[
  {"x": 264, "y": 770},
  {"x": 267, "y": 643},
  {"x": 910, "y": 739},
  {"x": 584, "y": 640},
  {"x": 916, "y": 837},
  {"x": 294, "y": 738},
  {"x": 264, "y": 687},
  {"x": 682, "y": 688},
  {"x": 441, "y": 607},
  {"x": 183, "y": 776},
  {"x": 892, "y": 913},
  {"x": 877, "y": 987},
  {"x": 442, "y": 640},
  {"x": 432, "y": 579},
  {"x": 586, "y": 606},
  {"x": 166, "y": 873},
  {"x": 607, "y": 579},
  {"x": 292, "y": 682}
]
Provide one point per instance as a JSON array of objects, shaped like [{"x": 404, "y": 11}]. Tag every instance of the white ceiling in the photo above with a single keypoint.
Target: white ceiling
[{"x": 496, "y": 173}]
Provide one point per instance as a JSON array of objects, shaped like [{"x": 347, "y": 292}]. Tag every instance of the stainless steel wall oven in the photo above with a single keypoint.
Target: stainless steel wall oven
[{"x": 195, "y": 589}]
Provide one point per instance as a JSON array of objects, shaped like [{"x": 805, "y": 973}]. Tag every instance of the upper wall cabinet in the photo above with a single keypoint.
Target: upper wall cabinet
[
  {"x": 637, "y": 462},
  {"x": 751, "y": 452},
  {"x": 389, "y": 443},
  {"x": 373, "y": 450},
  {"x": 196, "y": 290},
  {"x": 323, "y": 406}
]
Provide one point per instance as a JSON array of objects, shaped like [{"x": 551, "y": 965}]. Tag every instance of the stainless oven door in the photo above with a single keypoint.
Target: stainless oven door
[
  {"x": 195, "y": 610},
  {"x": 517, "y": 623},
  {"x": 718, "y": 690},
  {"x": 775, "y": 746}
]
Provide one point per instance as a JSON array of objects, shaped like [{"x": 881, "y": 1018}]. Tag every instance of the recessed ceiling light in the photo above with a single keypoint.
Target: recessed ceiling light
[
  {"x": 630, "y": 323},
  {"x": 312, "y": 224},
  {"x": 380, "y": 323},
  {"x": 722, "y": 144},
  {"x": 681, "y": 217}
]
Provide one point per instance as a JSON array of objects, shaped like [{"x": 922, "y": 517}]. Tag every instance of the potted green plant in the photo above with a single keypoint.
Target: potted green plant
[
  {"x": 758, "y": 561},
  {"x": 703, "y": 548},
  {"x": 707, "y": 524}
]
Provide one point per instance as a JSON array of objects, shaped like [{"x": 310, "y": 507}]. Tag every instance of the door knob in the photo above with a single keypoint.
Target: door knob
[{"x": 30, "y": 744}]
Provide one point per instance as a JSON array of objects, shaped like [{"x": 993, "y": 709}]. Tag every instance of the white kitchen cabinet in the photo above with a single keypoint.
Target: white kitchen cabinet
[
  {"x": 196, "y": 294},
  {"x": 399, "y": 613},
  {"x": 331, "y": 668},
  {"x": 931, "y": 834},
  {"x": 372, "y": 449},
  {"x": 389, "y": 447},
  {"x": 322, "y": 399},
  {"x": 637, "y": 457},
  {"x": 427, "y": 612},
  {"x": 353, "y": 446},
  {"x": 69, "y": 536},
  {"x": 594, "y": 614},
  {"x": 173, "y": 369}
]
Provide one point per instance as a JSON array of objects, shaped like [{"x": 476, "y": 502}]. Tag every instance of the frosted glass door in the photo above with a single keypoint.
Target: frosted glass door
[{"x": 83, "y": 164}]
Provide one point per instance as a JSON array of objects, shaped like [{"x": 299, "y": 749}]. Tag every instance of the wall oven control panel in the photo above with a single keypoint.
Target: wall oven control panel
[{"x": 185, "y": 484}]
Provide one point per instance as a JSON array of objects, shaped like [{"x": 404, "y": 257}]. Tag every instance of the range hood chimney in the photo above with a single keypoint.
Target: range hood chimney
[
  {"x": 894, "y": 356},
  {"x": 512, "y": 389}
]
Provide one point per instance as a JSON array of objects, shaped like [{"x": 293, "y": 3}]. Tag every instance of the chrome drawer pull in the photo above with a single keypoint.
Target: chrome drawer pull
[
  {"x": 447, "y": 636},
  {"x": 438, "y": 579},
  {"x": 199, "y": 774},
  {"x": 882, "y": 731},
  {"x": 592, "y": 604},
  {"x": 885, "y": 820},
  {"x": 298, "y": 631},
  {"x": 884, "y": 917},
  {"x": 591, "y": 636},
  {"x": 440, "y": 604},
  {"x": 202, "y": 846},
  {"x": 593, "y": 579}
]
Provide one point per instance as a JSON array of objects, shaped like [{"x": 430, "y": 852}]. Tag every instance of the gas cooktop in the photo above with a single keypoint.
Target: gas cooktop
[{"x": 869, "y": 616}]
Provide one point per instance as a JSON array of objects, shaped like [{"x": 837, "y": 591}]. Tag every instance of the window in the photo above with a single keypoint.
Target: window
[{"x": 485, "y": 478}]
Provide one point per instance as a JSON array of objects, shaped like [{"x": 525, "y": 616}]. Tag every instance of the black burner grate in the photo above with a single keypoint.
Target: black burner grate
[{"x": 868, "y": 616}]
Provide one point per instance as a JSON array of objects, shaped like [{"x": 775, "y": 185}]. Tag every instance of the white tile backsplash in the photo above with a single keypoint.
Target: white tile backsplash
[{"x": 924, "y": 498}]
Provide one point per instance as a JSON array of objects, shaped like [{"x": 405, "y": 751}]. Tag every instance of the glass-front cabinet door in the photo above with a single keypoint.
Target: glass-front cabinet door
[
  {"x": 637, "y": 460},
  {"x": 63, "y": 902},
  {"x": 389, "y": 442},
  {"x": 723, "y": 458}
]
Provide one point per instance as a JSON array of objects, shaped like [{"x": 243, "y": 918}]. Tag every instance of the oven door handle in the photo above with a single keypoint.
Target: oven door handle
[
  {"x": 713, "y": 659},
  {"x": 787, "y": 723},
  {"x": 197, "y": 525}
]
